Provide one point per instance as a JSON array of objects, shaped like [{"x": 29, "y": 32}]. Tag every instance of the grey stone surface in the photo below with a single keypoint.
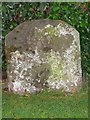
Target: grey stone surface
[{"x": 43, "y": 54}]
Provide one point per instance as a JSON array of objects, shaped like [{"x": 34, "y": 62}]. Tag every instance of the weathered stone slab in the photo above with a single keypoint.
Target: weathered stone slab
[{"x": 41, "y": 54}]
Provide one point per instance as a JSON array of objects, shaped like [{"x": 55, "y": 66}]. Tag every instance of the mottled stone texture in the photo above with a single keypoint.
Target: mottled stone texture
[{"x": 43, "y": 54}]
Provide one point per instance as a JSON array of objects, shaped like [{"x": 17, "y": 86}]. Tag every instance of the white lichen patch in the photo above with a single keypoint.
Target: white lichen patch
[
  {"x": 65, "y": 29},
  {"x": 21, "y": 66}
]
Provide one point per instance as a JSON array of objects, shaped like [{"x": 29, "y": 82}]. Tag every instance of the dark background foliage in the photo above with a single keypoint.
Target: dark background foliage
[{"x": 76, "y": 14}]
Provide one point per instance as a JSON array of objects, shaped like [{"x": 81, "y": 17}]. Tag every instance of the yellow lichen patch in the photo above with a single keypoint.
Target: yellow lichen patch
[
  {"x": 52, "y": 31},
  {"x": 48, "y": 30},
  {"x": 57, "y": 66}
]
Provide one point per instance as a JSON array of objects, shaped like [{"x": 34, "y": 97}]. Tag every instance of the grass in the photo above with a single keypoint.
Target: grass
[{"x": 45, "y": 105}]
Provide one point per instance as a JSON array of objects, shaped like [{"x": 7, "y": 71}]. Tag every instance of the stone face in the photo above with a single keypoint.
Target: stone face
[{"x": 43, "y": 54}]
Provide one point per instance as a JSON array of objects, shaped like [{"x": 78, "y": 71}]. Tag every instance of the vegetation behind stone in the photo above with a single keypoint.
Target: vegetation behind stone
[{"x": 76, "y": 14}]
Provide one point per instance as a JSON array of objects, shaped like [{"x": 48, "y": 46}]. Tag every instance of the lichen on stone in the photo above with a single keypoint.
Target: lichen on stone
[
  {"x": 57, "y": 66},
  {"x": 51, "y": 58}
]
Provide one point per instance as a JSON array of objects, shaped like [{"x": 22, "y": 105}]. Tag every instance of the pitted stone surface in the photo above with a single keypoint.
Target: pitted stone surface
[{"x": 43, "y": 54}]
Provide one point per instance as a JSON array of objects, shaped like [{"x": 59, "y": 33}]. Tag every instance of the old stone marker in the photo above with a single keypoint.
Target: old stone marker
[{"x": 43, "y": 54}]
